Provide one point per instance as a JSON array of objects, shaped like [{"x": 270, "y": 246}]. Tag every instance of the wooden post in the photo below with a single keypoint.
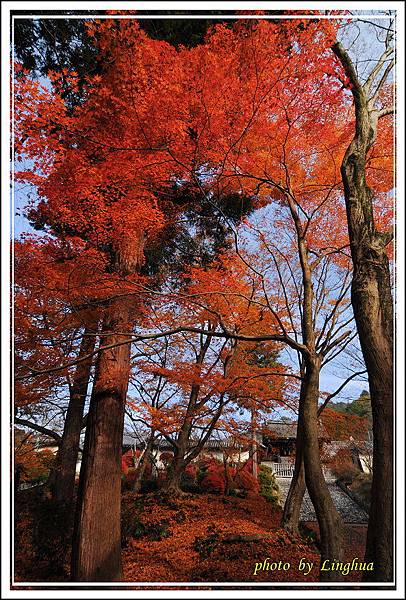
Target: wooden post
[{"x": 254, "y": 445}]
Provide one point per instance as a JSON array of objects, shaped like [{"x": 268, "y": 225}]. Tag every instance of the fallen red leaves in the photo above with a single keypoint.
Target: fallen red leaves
[
  {"x": 217, "y": 539},
  {"x": 196, "y": 538}
]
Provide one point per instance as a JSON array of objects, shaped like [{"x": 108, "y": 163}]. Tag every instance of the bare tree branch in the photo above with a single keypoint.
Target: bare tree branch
[{"x": 39, "y": 428}]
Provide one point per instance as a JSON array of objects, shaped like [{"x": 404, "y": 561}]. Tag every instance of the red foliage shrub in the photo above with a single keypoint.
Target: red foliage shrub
[
  {"x": 232, "y": 471},
  {"x": 246, "y": 481},
  {"x": 248, "y": 466},
  {"x": 161, "y": 477},
  {"x": 127, "y": 461},
  {"x": 131, "y": 475},
  {"x": 213, "y": 464},
  {"x": 191, "y": 471},
  {"x": 208, "y": 464},
  {"x": 32, "y": 464},
  {"x": 211, "y": 475},
  {"x": 343, "y": 466},
  {"x": 213, "y": 483}
]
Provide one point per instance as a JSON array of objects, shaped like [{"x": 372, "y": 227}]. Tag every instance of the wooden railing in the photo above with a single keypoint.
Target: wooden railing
[
  {"x": 284, "y": 470},
  {"x": 281, "y": 470}
]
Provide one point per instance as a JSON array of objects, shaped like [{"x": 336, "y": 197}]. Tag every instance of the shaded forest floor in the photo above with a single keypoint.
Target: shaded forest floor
[{"x": 200, "y": 538}]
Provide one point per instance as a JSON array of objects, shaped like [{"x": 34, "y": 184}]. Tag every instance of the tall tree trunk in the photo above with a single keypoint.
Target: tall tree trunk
[
  {"x": 373, "y": 310},
  {"x": 62, "y": 479},
  {"x": 329, "y": 520},
  {"x": 96, "y": 552},
  {"x": 294, "y": 499}
]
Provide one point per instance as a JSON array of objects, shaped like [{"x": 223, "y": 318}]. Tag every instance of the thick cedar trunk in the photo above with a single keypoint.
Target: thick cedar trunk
[
  {"x": 379, "y": 548},
  {"x": 373, "y": 310},
  {"x": 330, "y": 523},
  {"x": 294, "y": 499},
  {"x": 63, "y": 476},
  {"x": 96, "y": 553}
]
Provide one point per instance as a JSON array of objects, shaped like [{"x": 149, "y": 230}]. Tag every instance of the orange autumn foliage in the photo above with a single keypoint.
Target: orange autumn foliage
[{"x": 341, "y": 426}]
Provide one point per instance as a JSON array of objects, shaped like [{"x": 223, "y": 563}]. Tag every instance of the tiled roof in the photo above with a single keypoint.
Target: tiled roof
[
  {"x": 281, "y": 429},
  {"x": 163, "y": 444},
  {"x": 287, "y": 430}
]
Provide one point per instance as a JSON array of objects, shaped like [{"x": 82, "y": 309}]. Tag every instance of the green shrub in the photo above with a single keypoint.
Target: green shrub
[
  {"x": 269, "y": 489},
  {"x": 131, "y": 524}
]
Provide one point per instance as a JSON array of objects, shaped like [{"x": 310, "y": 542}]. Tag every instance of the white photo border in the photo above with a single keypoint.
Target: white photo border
[{"x": 366, "y": 590}]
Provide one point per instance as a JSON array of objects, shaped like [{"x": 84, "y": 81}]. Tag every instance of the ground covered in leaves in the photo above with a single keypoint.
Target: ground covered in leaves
[
  {"x": 209, "y": 538},
  {"x": 196, "y": 538}
]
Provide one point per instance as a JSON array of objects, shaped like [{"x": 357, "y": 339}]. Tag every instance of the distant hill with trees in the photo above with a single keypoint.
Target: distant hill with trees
[{"x": 361, "y": 406}]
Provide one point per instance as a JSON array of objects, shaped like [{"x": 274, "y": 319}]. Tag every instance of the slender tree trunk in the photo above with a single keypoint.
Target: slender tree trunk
[
  {"x": 143, "y": 463},
  {"x": 372, "y": 303},
  {"x": 172, "y": 484},
  {"x": 294, "y": 499},
  {"x": 62, "y": 479},
  {"x": 227, "y": 477},
  {"x": 180, "y": 460},
  {"x": 329, "y": 521},
  {"x": 96, "y": 553},
  {"x": 254, "y": 445}
]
